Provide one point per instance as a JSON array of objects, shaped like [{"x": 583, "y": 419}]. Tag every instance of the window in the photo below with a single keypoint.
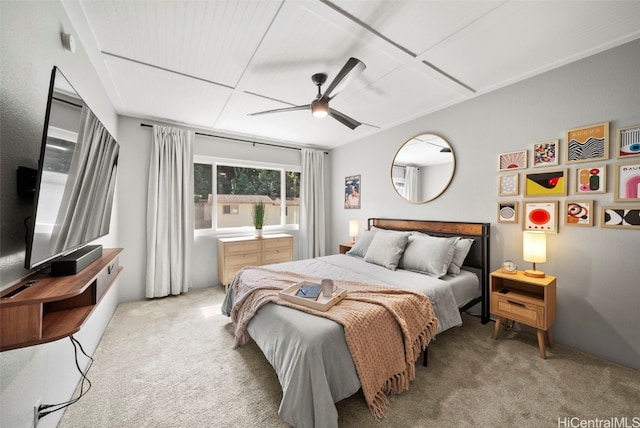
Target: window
[{"x": 234, "y": 188}]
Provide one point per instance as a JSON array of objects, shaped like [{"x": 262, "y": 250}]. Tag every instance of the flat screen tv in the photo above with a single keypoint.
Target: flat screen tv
[{"x": 76, "y": 178}]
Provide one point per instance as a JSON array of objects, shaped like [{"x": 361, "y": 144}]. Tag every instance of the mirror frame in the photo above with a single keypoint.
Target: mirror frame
[{"x": 444, "y": 188}]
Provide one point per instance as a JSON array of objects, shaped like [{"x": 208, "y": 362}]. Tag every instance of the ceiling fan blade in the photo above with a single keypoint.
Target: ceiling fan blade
[
  {"x": 349, "y": 72},
  {"x": 279, "y": 110},
  {"x": 344, "y": 119}
]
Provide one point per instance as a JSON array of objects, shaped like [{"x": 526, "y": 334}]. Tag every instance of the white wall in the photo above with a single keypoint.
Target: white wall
[
  {"x": 30, "y": 46},
  {"x": 135, "y": 150},
  {"x": 597, "y": 269}
]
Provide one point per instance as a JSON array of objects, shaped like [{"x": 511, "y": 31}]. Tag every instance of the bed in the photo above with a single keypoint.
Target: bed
[{"x": 310, "y": 353}]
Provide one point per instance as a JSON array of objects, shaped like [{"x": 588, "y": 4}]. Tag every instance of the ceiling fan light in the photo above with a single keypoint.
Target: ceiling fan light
[{"x": 319, "y": 108}]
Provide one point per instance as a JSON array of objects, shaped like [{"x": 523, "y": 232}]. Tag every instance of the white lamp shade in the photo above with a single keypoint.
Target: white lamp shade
[
  {"x": 534, "y": 247},
  {"x": 353, "y": 228}
]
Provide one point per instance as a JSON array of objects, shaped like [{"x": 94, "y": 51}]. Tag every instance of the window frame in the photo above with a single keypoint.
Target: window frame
[{"x": 214, "y": 162}]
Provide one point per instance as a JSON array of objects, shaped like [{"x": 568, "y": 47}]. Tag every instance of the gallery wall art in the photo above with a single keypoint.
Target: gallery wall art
[
  {"x": 627, "y": 182},
  {"x": 545, "y": 153},
  {"x": 591, "y": 179},
  {"x": 627, "y": 217},
  {"x": 629, "y": 142},
  {"x": 541, "y": 216},
  {"x": 588, "y": 143},
  {"x": 578, "y": 213},
  {"x": 549, "y": 183}
]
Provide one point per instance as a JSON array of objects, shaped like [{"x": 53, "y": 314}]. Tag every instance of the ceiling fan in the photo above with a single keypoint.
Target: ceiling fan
[{"x": 320, "y": 105}]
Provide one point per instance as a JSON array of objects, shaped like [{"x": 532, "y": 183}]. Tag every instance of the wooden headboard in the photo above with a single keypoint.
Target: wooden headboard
[{"x": 477, "y": 260}]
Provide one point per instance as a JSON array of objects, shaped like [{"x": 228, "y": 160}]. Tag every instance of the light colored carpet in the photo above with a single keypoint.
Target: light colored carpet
[{"x": 169, "y": 363}]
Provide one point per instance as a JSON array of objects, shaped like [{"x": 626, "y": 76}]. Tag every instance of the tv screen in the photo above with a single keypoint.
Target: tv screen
[{"x": 76, "y": 177}]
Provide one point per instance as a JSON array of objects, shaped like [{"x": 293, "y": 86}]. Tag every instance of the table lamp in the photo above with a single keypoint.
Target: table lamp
[
  {"x": 534, "y": 249},
  {"x": 353, "y": 229}
]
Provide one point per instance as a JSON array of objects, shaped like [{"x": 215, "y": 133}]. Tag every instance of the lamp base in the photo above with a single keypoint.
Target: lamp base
[{"x": 534, "y": 273}]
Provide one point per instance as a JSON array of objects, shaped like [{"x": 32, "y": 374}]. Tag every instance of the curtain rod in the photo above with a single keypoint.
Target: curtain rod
[{"x": 239, "y": 139}]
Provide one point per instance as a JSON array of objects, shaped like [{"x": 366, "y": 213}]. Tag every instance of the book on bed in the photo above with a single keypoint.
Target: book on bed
[{"x": 309, "y": 291}]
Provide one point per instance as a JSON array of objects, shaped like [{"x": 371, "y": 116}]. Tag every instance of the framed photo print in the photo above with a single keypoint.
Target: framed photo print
[
  {"x": 352, "y": 192},
  {"x": 627, "y": 182},
  {"x": 629, "y": 141},
  {"x": 578, "y": 213},
  {"x": 591, "y": 179},
  {"x": 549, "y": 183},
  {"x": 512, "y": 160},
  {"x": 508, "y": 212},
  {"x": 545, "y": 153},
  {"x": 620, "y": 217},
  {"x": 588, "y": 143},
  {"x": 508, "y": 184},
  {"x": 541, "y": 216}
]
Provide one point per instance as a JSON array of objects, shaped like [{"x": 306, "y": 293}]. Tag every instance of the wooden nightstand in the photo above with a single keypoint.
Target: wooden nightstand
[
  {"x": 526, "y": 300},
  {"x": 346, "y": 246}
]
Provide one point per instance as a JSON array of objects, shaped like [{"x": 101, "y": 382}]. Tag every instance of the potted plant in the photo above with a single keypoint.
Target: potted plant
[{"x": 258, "y": 213}]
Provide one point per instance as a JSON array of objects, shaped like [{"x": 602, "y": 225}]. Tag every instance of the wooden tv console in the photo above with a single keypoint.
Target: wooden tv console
[{"x": 54, "y": 307}]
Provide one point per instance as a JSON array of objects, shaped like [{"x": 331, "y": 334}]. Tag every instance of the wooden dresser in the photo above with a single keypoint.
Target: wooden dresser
[{"x": 236, "y": 253}]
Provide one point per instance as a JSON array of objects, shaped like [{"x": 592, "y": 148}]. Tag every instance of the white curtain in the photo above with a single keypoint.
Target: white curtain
[
  {"x": 170, "y": 212},
  {"x": 411, "y": 183},
  {"x": 312, "y": 206}
]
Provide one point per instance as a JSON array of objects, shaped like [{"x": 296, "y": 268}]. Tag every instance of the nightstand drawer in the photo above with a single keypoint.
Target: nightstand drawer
[{"x": 526, "y": 313}]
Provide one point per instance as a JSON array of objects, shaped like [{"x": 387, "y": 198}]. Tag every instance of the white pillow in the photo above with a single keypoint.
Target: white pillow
[
  {"x": 428, "y": 254},
  {"x": 461, "y": 249},
  {"x": 362, "y": 244},
  {"x": 386, "y": 248}
]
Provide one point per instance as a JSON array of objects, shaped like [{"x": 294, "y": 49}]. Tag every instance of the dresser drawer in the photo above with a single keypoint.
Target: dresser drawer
[
  {"x": 277, "y": 243},
  {"x": 277, "y": 256},
  {"x": 240, "y": 260},
  {"x": 241, "y": 247},
  {"x": 511, "y": 308}
]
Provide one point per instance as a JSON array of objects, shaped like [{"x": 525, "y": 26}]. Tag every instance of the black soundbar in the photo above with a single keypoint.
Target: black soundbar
[{"x": 74, "y": 262}]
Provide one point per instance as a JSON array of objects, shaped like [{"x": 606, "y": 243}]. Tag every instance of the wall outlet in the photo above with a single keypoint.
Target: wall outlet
[{"x": 36, "y": 412}]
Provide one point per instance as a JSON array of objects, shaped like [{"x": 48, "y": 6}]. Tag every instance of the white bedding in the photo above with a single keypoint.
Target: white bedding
[{"x": 310, "y": 354}]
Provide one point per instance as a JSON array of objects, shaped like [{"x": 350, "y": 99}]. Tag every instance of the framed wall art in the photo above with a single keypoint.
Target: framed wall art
[
  {"x": 621, "y": 217},
  {"x": 352, "y": 192},
  {"x": 588, "y": 143},
  {"x": 512, "y": 160},
  {"x": 508, "y": 212},
  {"x": 545, "y": 153},
  {"x": 541, "y": 216},
  {"x": 627, "y": 182},
  {"x": 578, "y": 213},
  {"x": 591, "y": 179},
  {"x": 629, "y": 141},
  {"x": 508, "y": 184},
  {"x": 548, "y": 183}
]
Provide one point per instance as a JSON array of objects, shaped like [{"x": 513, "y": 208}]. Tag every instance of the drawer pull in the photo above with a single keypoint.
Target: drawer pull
[{"x": 516, "y": 303}]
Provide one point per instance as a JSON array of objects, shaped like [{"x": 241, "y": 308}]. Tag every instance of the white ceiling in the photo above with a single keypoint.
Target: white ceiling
[{"x": 208, "y": 64}]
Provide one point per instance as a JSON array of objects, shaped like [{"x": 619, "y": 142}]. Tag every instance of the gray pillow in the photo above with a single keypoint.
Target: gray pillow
[
  {"x": 428, "y": 254},
  {"x": 362, "y": 244},
  {"x": 461, "y": 249},
  {"x": 386, "y": 248}
]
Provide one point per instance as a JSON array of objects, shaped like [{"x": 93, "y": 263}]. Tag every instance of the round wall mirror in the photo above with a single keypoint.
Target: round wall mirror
[{"x": 423, "y": 168}]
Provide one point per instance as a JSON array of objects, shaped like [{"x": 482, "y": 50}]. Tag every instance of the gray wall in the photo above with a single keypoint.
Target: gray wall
[
  {"x": 29, "y": 48},
  {"x": 597, "y": 269}
]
